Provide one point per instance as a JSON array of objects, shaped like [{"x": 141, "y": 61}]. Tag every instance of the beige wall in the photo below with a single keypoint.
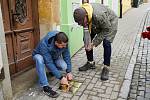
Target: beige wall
[
  {"x": 126, "y": 5},
  {"x": 49, "y": 15}
]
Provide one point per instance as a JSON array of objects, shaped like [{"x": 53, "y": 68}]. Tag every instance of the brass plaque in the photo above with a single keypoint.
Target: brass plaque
[{"x": 72, "y": 87}]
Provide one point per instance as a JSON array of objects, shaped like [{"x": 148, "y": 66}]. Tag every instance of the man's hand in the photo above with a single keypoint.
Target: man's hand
[
  {"x": 89, "y": 46},
  {"x": 69, "y": 76},
  {"x": 64, "y": 81}
]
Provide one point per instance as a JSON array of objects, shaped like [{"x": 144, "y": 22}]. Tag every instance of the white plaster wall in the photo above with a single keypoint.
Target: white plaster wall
[
  {"x": 115, "y": 6},
  {"x": 105, "y": 2}
]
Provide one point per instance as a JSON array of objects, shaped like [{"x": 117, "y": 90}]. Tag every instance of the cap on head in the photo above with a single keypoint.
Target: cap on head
[{"x": 79, "y": 14}]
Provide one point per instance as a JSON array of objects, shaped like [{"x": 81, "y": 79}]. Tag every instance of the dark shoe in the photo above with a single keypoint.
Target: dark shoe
[
  {"x": 48, "y": 91},
  {"x": 105, "y": 74},
  {"x": 87, "y": 66}
]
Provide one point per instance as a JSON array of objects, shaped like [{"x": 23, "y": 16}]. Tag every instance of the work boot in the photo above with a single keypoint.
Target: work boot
[
  {"x": 87, "y": 66},
  {"x": 105, "y": 74}
]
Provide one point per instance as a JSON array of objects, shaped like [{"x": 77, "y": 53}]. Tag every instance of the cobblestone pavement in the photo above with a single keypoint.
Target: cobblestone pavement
[
  {"x": 140, "y": 85},
  {"x": 122, "y": 64}
]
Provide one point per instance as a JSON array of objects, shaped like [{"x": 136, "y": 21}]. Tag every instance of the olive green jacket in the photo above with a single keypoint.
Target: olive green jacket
[{"x": 104, "y": 23}]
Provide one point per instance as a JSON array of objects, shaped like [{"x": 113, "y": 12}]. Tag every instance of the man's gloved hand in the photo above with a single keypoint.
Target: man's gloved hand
[
  {"x": 69, "y": 76},
  {"x": 64, "y": 81}
]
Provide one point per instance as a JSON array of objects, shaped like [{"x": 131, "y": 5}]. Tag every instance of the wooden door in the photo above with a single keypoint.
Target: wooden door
[{"x": 22, "y": 32}]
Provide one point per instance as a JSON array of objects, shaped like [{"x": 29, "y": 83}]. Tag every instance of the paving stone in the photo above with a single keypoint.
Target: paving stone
[
  {"x": 90, "y": 86},
  {"x": 105, "y": 99},
  {"x": 109, "y": 85},
  {"x": 93, "y": 93},
  {"x": 94, "y": 98},
  {"x": 83, "y": 97},
  {"x": 82, "y": 88},
  {"x": 94, "y": 80},
  {"x": 114, "y": 95},
  {"x": 75, "y": 98},
  {"x": 141, "y": 88},
  {"x": 133, "y": 95},
  {"x": 67, "y": 95},
  {"x": 78, "y": 93},
  {"x": 103, "y": 87},
  {"x": 104, "y": 95},
  {"x": 98, "y": 84},
  {"x": 148, "y": 90},
  {"x": 121, "y": 99},
  {"x": 98, "y": 90},
  {"x": 114, "y": 82},
  {"x": 109, "y": 90},
  {"x": 133, "y": 91},
  {"x": 140, "y": 98},
  {"x": 59, "y": 98},
  {"x": 147, "y": 95},
  {"x": 116, "y": 88},
  {"x": 86, "y": 92}
]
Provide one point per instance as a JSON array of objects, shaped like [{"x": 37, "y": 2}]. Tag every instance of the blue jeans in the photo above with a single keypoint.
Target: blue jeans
[
  {"x": 107, "y": 52},
  {"x": 40, "y": 68}
]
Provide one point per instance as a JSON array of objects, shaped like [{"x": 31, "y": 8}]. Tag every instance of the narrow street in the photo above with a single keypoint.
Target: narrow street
[{"x": 131, "y": 56}]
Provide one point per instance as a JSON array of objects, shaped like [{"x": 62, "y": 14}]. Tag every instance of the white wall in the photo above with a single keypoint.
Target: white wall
[
  {"x": 106, "y": 2},
  {"x": 115, "y": 6},
  {"x": 92, "y": 1}
]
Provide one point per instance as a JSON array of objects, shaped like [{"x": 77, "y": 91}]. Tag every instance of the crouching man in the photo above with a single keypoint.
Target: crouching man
[{"x": 52, "y": 52}]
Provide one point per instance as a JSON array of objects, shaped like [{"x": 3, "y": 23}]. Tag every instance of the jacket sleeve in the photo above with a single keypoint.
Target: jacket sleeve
[
  {"x": 49, "y": 61},
  {"x": 86, "y": 36},
  {"x": 67, "y": 59}
]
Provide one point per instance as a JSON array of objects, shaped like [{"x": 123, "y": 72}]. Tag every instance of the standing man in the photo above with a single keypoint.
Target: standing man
[
  {"x": 100, "y": 24},
  {"x": 53, "y": 52}
]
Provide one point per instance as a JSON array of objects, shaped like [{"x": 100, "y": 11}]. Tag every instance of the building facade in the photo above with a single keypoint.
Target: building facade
[{"x": 126, "y": 5}]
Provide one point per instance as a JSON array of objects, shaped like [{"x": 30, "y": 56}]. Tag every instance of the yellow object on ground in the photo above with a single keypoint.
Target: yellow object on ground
[{"x": 72, "y": 87}]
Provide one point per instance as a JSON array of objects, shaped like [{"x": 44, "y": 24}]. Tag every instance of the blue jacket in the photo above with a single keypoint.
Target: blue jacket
[{"x": 50, "y": 53}]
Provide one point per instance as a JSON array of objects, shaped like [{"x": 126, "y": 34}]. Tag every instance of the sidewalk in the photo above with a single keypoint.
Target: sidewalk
[{"x": 122, "y": 64}]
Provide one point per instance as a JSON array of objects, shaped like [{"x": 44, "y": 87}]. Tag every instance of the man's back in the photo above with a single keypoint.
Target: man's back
[{"x": 99, "y": 10}]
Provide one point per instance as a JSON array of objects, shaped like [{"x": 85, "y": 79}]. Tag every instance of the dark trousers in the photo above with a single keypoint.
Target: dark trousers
[{"x": 107, "y": 52}]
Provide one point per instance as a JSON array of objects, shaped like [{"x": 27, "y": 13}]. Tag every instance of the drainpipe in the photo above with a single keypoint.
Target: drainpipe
[
  {"x": 120, "y": 9},
  {"x": 102, "y": 2},
  {"x": 6, "y": 83}
]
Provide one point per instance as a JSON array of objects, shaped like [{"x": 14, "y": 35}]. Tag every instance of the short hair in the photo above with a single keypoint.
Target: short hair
[
  {"x": 79, "y": 14},
  {"x": 61, "y": 37}
]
